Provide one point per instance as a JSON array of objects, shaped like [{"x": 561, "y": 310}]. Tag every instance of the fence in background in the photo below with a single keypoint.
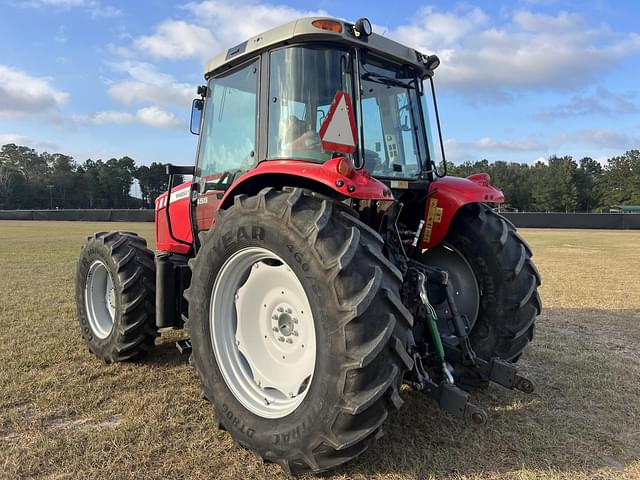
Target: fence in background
[
  {"x": 616, "y": 221},
  {"x": 521, "y": 220},
  {"x": 107, "y": 215}
]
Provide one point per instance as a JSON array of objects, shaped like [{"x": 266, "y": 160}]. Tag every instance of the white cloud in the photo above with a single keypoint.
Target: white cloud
[
  {"x": 22, "y": 94},
  {"x": 18, "y": 139},
  {"x": 526, "y": 52},
  {"x": 61, "y": 35},
  {"x": 459, "y": 151},
  {"x": 156, "y": 117},
  {"x": 598, "y": 137},
  {"x": 216, "y": 25},
  {"x": 104, "y": 117},
  {"x": 599, "y": 102},
  {"x": 94, "y": 7},
  {"x": 524, "y": 144},
  {"x": 153, "y": 116},
  {"x": 146, "y": 84},
  {"x": 174, "y": 39},
  {"x": 235, "y": 22},
  {"x": 441, "y": 28}
]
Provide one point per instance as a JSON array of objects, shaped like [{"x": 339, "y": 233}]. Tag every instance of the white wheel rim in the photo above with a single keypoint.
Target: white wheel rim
[
  {"x": 262, "y": 332},
  {"x": 100, "y": 299}
]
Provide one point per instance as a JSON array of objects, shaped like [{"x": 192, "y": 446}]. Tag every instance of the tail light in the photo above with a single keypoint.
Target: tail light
[{"x": 345, "y": 167}]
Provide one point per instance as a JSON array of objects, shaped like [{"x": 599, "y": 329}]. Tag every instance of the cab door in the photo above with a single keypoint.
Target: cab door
[{"x": 227, "y": 146}]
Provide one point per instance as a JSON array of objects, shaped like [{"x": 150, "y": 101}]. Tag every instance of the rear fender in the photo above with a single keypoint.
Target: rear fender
[
  {"x": 323, "y": 178},
  {"x": 447, "y": 195}
]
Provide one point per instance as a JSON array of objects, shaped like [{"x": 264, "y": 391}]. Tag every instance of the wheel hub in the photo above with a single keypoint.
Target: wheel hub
[
  {"x": 464, "y": 281},
  {"x": 284, "y": 321}
]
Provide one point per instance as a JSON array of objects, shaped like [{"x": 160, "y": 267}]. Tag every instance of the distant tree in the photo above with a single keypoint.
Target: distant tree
[
  {"x": 587, "y": 179},
  {"x": 621, "y": 180},
  {"x": 153, "y": 182},
  {"x": 553, "y": 187}
]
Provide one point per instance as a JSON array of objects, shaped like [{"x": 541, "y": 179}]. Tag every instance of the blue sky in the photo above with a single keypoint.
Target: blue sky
[{"x": 519, "y": 81}]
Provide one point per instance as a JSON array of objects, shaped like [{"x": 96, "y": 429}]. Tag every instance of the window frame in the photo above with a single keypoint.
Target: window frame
[
  {"x": 257, "y": 137},
  {"x": 363, "y": 55},
  {"x": 266, "y": 84}
]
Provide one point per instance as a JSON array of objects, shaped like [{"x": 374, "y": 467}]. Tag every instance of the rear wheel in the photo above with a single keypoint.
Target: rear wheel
[
  {"x": 115, "y": 296},
  {"x": 495, "y": 283},
  {"x": 298, "y": 332}
]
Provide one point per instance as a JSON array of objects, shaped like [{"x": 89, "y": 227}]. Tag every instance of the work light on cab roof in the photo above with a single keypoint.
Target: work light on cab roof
[{"x": 319, "y": 256}]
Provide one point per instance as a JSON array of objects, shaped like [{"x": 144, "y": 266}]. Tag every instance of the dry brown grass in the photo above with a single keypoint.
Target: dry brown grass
[{"x": 63, "y": 414}]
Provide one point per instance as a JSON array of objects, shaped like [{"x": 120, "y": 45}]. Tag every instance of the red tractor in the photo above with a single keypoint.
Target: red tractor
[{"x": 320, "y": 258}]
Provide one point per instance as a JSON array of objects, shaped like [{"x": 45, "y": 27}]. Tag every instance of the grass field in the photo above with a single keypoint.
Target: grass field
[{"x": 63, "y": 414}]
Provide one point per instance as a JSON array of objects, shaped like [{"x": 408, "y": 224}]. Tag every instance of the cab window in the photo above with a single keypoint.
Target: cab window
[
  {"x": 302, "y": 84},
  {"x": 228, "y": 139}
]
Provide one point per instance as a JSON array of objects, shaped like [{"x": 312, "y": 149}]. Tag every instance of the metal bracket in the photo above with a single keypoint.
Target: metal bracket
[
  {"x": 456, "y": 401},
  {"x": 495, "y": 370},
  {"x": 184, "y": 346}
]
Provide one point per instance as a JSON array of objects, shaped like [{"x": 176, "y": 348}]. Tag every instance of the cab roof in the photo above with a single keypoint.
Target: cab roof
[{"x": 302, "y": 30}]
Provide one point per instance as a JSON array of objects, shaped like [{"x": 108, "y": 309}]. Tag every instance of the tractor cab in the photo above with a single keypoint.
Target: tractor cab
[{"x": 267, "y": 100}]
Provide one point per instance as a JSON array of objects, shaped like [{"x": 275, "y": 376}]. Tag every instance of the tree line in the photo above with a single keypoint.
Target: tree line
[
  {"x": 34, "y": 180},
  {"x": 563, "y": 184}
]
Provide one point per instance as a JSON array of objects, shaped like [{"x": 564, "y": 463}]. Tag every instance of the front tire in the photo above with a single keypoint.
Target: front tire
[
  {"x": 360, "y": 327},
  {"x": 115, "y": 296}
]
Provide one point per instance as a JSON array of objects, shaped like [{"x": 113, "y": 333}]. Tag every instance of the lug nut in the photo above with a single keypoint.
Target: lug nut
[
  {"x": 289, "y": 310},
  {"x": 295, "y": 333},
  {"x": 280, "y": 309},
  {"x": 295, "y": 320},
  {"x": 281, "y": 339},
  {"x": 289, "y": 340},
  {"x": 275, "y": 329},
  {"x": 275, "y": 317}
]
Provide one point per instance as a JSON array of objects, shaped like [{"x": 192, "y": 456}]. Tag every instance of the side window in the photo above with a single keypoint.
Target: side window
[
  {"x": 374, "y": 141},
  {"x": 228, "y": 137}
]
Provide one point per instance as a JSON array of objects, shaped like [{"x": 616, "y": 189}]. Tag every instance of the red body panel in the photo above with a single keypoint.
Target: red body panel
[
  {"x": 180, "y": 211},
  {"x": 365, "y": 186},
  {"x": 447, "y": 195}
]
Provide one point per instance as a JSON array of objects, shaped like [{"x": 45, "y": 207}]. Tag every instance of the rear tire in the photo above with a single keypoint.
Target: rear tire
[
  {"x": 115, "y": 296},
  {"x": 507, "y": 279},
  {"x": 362, "y": 330}
]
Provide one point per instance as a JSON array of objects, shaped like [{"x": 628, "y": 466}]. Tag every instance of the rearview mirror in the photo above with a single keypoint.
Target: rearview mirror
[{"x": 196, "y": 115}]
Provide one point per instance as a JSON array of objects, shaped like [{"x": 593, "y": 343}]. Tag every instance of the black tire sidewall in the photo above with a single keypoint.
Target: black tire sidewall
[
  {"x": 95, "y": 250},
  {"x": 318, "y": 408},
  {"x": 498, "y": 288}
]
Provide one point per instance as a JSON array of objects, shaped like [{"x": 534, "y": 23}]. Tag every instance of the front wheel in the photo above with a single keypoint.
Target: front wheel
[
  {"x": 495, "y": 283},
  {"x": 298, "y": 332},
  {"x": 115, "y": 296}
]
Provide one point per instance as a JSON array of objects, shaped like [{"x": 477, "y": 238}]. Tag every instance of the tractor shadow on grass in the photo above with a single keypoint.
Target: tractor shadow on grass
[
  {"x": 585, "y": 365},
  {"x": 166, "y": 354}
]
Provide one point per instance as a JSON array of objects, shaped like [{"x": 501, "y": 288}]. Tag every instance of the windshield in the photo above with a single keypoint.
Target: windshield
[
  {"x": 303, "y": 82},
  {"x": 393, "y": 139}
]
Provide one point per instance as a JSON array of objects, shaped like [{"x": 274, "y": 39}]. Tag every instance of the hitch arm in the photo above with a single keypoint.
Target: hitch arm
[
  {"x": 495, "y": 370},
  {"x": 455, "y": 401}
]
